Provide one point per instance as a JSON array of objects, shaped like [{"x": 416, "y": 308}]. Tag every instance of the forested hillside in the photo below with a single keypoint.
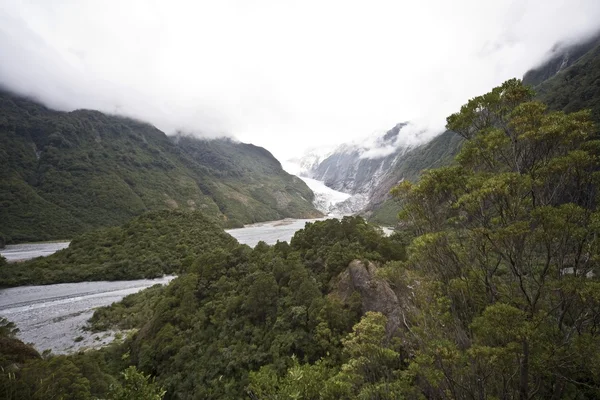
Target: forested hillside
[
  {"x": 569, "y": 81},
  {"x": 66, "y": 173},
  {"x": 490, "y": 290},
  {"x": 577, "y": 87},
  {"x": 232, "y": 310},
  {"x": 149, "y": 246},
  {"x": 438, "y": 152}
]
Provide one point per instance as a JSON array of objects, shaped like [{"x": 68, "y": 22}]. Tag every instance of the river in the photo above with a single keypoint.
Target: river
[
  {"x": 25, "y": 251},
  {"x": 53, "y": 316},
  {"x": 269, "y": 232}
]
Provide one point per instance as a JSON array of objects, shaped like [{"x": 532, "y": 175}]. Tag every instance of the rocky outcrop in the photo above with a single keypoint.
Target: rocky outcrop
[{"x": 376, "y": 294}]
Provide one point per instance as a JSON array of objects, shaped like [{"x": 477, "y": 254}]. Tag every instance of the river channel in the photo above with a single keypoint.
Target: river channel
[{"x": 53, "y": 316}]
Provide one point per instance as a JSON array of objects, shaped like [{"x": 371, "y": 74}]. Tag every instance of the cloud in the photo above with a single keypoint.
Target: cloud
[
  {"x": 284, "y": 75},
  {"x": 412, "y": 134}
]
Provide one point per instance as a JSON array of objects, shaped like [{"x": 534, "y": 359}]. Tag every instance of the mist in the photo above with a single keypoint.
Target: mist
[{"x": 282, "y": 75}]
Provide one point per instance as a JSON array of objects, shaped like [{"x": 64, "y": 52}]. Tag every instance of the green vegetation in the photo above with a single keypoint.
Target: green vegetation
[
  {"x": 66, "y": 173},
  {"x": 505, "y": 253},
  {"x": 131, "y": 312},
  {"x": 25, "y": 375},
  {"x": 236, "y": 310},
  {"x": 137, "y": 386},
  {"x": 577, "y": 87},
  {"x": 574, "y": 88},
  {"x": 499, "y": 295},
  {"x": 148, "y": 246},
  {"x": 491, "y": 290}
]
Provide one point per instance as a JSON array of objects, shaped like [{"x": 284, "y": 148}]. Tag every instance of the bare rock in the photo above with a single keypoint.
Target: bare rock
[{"x": 376, "y": 294}]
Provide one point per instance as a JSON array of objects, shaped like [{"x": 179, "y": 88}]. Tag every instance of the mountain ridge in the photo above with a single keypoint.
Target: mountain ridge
[
  {"x": 569, "y": 81},
  {"x": 69, "y": 172}
]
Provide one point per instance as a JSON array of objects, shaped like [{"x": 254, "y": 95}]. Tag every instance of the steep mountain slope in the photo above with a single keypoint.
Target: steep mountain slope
[
  {"x": 438, "y": 152},
  {"x": 576, "y": 87},
  {"x": 65, "y": 173},
  {"x": 569, "y": 81},
  {"x": 561, "y": 58},
  {"x": 369, "y": 172},
  {"x": 351, "y": 169}
]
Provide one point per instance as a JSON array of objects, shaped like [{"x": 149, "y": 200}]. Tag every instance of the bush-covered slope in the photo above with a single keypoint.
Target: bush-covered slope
[
  {"x": 576, "y": 87},
  {"x": 497, "y": 294},
  {"x": 234, "y": 310},
  {"x": 65, "y": 173},
  {"x": 440, "y": 151},
  {"x": 148, "y": 246},
  {"x": 562, "y": 57},
  {"x": 569, "y": 81}
]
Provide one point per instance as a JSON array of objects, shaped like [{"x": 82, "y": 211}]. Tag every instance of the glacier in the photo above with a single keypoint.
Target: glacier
[{"x": 326, "y": 199}]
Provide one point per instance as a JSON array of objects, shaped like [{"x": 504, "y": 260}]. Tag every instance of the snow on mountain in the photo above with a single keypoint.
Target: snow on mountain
[
  {"x": 357, "y": 169},
  {"x": 327, "y": 199},
  {"x": 302, "y": 166}
]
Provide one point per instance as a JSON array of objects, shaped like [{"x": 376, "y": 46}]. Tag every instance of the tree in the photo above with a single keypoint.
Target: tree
[
  {"x": 137, "y": 386},
  {"x": 510, "y": 235}
]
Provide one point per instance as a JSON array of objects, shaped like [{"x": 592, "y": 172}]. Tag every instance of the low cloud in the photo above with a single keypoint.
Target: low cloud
[{"x": 283, "y": 75}]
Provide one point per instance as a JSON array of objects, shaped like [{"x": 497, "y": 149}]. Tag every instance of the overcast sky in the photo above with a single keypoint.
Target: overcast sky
[{"x": 285, "y": 75}]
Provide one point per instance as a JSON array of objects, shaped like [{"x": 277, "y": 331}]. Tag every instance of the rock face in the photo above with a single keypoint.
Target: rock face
[
  {"x": 439, "y": 152},
  {"x": 369, "y": 172},
  {"x": 358, "y": 169},
  {"x": 376, "y": 294}
]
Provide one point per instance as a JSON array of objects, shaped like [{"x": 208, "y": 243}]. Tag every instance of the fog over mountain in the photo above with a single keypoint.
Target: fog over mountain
[{"x": 283, "y": 75}]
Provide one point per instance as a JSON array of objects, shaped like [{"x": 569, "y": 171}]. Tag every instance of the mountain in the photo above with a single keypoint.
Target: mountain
[
  {"x": 438, "y": 152},
  {"x": 369, "y": 171},
  {"x": 569, "y": 81},
  {"x": 576, "y": 87},
  {"x": 356, "y": 169},
  {"x": 561, "y": 57},
  {"x": 64, "y": 173},
  {"x": 486, "y": 293}
]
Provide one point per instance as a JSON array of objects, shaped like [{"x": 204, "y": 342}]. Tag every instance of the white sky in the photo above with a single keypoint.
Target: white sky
[{"x": 285, "y": 75}]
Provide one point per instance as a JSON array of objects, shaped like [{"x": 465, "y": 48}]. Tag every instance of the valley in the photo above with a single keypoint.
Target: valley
[
  {"x": 148, "y": 254},
  {"x": 53, "y": 317}
]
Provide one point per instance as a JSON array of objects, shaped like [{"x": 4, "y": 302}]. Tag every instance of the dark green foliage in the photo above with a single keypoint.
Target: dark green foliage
[
  {"x": 148, "y": 246},
  {"x": 65, "y": 173},
  {"x": 504, "y": 258},
  {"x": 131, "y": 312},
  {"x": 241, "y": 308},
  {"x": 372, "y": 370},
  {"x": 12, "y": 350},
  {"x": 137, "y": 386},
  {"x": 328, "y": 246},
  {"x": 569, "y": 82},
  {"x": 577, "y": 87},
  {"x": 232, "y": 310},
  {"x": 498, "y": 292}
]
